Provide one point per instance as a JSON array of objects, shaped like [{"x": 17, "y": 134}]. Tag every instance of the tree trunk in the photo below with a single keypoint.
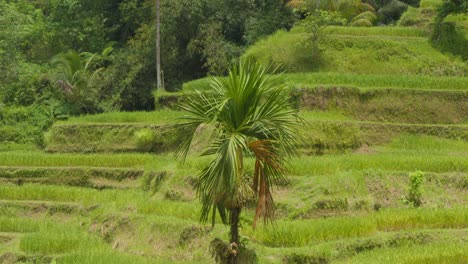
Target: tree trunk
[
  {"x": 235, "y": 218},
  {"x": 158, "y": 45}
]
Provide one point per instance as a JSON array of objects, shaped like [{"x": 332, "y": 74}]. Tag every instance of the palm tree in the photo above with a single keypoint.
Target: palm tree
[
  {"x": 73, "y": 74},
  {"x": 250, "y": 115}
]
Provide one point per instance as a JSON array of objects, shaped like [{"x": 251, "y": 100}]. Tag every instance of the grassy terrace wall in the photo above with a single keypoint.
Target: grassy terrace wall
[
  {"x": 71, "y": 176},
  {"x": 322, "y": 136},
  {"x": 364, "y": 50},
  {"x": 388, "y": 105},
  {"x": 382, "y": 105},
  {"x": 106, "y": 138},
  {"x": 363, "y": 81},
  {"x": 340, "y": 118}
]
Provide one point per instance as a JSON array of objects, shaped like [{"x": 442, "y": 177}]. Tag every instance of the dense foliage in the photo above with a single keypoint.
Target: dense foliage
[
  {"x": 447, "y": 35},
  {"x": 198, "y": 37},
  {"x": 60, "y": 58}
]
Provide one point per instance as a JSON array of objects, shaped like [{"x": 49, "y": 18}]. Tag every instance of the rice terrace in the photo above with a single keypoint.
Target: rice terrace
[{"x": 222, "y": 131}]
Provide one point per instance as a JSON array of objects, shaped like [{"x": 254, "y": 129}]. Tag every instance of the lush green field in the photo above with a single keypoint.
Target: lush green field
[
  {"x": 380, "y": 106},
  {"x": 363, "y": 81},
  {"x": 359, "y": 193},
  {"x": 366, "y": 54},
  {"x": 347, "y": 205},
  {"x": 158, "y": 117}
]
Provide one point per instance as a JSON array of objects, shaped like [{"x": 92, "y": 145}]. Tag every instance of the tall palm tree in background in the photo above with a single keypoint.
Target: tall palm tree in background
[
  {"x": 250, "y": 115},
  {"x": 159, "y": 82}
]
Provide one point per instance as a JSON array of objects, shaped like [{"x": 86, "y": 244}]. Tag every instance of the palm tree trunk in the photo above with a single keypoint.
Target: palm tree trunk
[
  {"x": 158, "y": 44},
  {"x": 235, "y": 212},
  {"x": 235, "y": 218}
]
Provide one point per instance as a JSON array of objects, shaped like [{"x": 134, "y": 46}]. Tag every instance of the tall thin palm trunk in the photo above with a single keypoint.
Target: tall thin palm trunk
[
  {"x": 235, "y": 218},
  {"x": 158, "y": 45}
]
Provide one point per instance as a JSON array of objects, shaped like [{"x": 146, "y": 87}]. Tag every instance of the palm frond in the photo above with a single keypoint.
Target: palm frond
[{"x": 250, "y": 113}]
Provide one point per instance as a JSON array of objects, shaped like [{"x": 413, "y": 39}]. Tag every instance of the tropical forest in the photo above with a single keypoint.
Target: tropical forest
[{"x": 234, "y": 131}]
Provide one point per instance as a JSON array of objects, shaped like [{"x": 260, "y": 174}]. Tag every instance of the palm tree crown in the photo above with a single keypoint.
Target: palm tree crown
[{"x": 249, "y": 114}]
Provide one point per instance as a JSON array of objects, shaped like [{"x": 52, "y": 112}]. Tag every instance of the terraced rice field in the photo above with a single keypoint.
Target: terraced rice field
[
  {"x": 106, "y": 189},
  {"x": 342, "y": 207}
]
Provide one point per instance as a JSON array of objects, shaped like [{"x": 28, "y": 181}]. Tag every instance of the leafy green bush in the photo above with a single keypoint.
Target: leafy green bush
[
  {"x": 152, "y": 181},
  {"x": 415, "y": 191},
  {"x": 351, "y": 8},
  {"x": 297, "y": 258},
  {"x": 361, "y": 23},
  {"x": 283, "y": 50},
  {"x": 448, "y": 37},
  {"x": 24, "y": 125},
  {"x": 145, "y": 139},
  {"x": 392, "y": 11},
  {"x": 368, "y": 15},
  {"x": 411, "y": 17}
]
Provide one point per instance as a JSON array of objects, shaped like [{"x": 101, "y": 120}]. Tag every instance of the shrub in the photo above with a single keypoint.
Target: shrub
[
  {"x": 152, "y": 181},
  {"x": 173, "y": 195},
  {"x": 332, "y": 204},
  {"x": 220, "y": 251},
  {"x": 411, "y": 17},
  {"x": 368, "y": 15},
  {"x": 447, "y": 37},
  {"x": 361, "y": 23},
  {"x": 296, "y": 258},
  {"x": 415, "y": 190},
  {"x": 192, "y": 232},
  {"x": 351, "y": 8},
  {"x": 24, "y": 125},
  {"x": 392, "y": 11},
  {"x": 145, "y": 139}
]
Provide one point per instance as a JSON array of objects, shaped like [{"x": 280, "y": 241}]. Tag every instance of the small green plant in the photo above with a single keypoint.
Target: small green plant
[
  {"x": 152, "y": 181},
  {"x": 145, "y": 139},
  {"x": 316, "y": 22},
  {"x": 304, "y": 259},
  {"x": 173, "y": 195},
  {"x": 415, "y": 190}
]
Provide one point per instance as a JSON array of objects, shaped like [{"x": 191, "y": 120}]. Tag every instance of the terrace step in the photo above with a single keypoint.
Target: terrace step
[
  {"x": 99, "y": 178},
  {"x": 43, "y": 206},
  {"x": 406, "y": 104},
  {"x": 21, "y": 258},
  {"x": 323, "y": 136},
  {"x": 344, "y": 249},
  {"x": 7, "y": 237},
  {"x": 388, "y": 105},
  {"x": 89, "y": 138}
]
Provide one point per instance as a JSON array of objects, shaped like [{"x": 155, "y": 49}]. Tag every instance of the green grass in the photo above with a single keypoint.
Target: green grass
[
  {"x": 40, "y": 159},
  {"x": 364, "y": 81},
  {"x": 336, "y": 208},
  {"x": 329, "y": 164},
  {"x": 440, "y": 253},
  {"x": 306, "y": 165},
  {"x": 376, "y": 31},
  {"x": 306, "y": 232},
  {"x": 377, "y": 81},
  {"x": 155, "y": 118},
  {"x": 366, "y": 54},
  {"x": 18, "y": 225},
  {"x": 428, "y": 144},
  {"x": 310, "y": 116},
  {"x": 166, "y": 117}
]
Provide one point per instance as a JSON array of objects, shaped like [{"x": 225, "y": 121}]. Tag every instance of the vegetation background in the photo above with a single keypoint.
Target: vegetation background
[{"x": 86, "y": 174}]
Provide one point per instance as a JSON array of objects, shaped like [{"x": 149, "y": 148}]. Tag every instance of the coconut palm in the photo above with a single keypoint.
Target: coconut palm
[
  {"x": 249, "y": 114},
  {"x": 73, "y": 74}
]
